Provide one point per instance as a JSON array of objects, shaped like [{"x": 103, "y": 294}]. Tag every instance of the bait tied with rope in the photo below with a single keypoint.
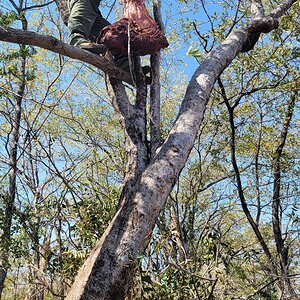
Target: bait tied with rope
[{"x": 136, "y": 25}]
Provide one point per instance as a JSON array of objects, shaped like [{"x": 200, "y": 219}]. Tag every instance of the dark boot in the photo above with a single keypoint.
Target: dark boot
[{"x": 93, "y": 47}]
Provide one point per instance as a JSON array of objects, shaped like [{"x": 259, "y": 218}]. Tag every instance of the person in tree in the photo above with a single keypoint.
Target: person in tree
[{"x": 85, "y": 23}]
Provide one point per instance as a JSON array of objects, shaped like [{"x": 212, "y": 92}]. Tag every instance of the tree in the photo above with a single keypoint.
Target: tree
[
  {"x": 21, "y": 74},
  {"x": 150, "y": 175}
]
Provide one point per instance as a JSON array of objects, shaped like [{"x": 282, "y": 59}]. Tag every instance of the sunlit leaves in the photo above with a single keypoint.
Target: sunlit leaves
[{"x": 6, "y": 19}]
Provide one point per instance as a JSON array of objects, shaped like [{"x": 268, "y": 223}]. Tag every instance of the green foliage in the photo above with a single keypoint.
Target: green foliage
[
  {"x": 10, "y": 66},
  {"x": 6, "y": 19},
  {"x": 72, "y": 161}
]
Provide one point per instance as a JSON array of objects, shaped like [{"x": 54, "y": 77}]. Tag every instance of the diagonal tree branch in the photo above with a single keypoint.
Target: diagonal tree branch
[
  {"x": 282, "y": 8},
  {"x": 51, "y": 43}
]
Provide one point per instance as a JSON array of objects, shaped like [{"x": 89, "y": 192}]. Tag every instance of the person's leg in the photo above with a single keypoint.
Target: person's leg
[
  {"x": 83, "y": 15},
  {"x": 98, "y": 25},
  {"x": 85, "y": 23},
  {"x": 121, "y": 60}
]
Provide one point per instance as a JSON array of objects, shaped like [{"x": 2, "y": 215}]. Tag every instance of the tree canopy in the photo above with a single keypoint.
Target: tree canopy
[{"x": 186, "y": 188}]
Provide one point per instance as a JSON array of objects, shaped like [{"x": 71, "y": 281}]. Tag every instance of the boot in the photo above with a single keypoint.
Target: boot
[{"x": 93, "y": 47}]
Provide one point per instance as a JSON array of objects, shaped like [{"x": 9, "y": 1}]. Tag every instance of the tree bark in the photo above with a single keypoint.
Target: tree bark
[
  {"x": 257, "y": 9},
  {"x": 133, "y": 120}
]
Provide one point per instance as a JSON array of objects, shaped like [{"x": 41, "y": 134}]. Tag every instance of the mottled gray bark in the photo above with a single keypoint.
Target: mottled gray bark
[
  {"x": 133, "y": 121},
  {"x": 257, "y": 9},
  {"x": 155, "y": 132}
]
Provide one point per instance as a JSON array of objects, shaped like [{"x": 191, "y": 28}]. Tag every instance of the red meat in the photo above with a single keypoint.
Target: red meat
[{"x": 145, "y": 35}]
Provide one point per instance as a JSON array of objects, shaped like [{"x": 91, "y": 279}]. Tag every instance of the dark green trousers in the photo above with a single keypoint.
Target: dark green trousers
[{"x": 85, "y": 21}]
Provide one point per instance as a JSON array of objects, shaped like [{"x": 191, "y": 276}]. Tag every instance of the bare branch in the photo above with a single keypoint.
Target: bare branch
[
  {"x": 282, "y": 9},
  {"x": 51, "y": 43},
  {"x": 240, "y": 189},
  {"x": 282, "y": 249},
  {"x": 37, "y": 6},
  {"x": 155, "y": 133}
]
